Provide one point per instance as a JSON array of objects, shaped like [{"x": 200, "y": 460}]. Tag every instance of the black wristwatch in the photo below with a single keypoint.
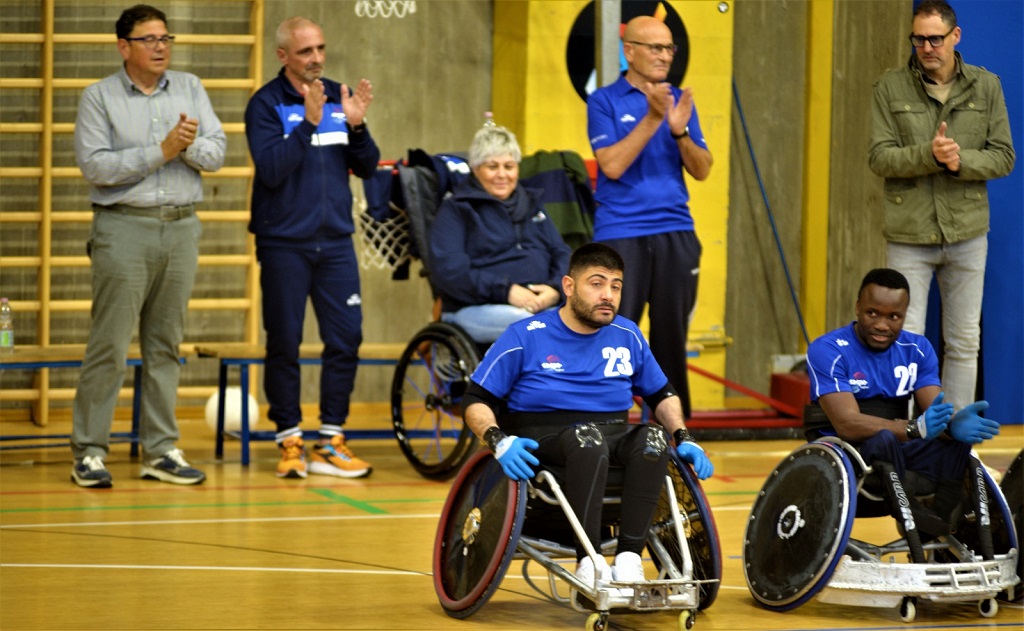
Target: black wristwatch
[
  {"x": 681, "y": 436},
  {"x": 358, "y": 129},
  {"x": 912, "y": 429},
  {"x": 686, "y": 132},
  {"x": 493, "y": 436}
]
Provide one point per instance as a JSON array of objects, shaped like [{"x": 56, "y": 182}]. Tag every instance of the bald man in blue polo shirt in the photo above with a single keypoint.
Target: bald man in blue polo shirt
[{"x": 644, "y": 133}]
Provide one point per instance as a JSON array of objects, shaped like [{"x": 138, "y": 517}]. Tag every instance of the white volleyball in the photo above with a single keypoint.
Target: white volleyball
[{"x": 232, "y": 410}]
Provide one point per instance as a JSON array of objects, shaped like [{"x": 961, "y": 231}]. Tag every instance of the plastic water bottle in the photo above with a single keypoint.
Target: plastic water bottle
[
  {"x": 6, "y": 327},
  {"x": 489, "y": 119}
]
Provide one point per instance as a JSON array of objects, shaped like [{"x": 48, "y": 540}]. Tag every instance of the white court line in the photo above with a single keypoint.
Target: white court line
[
  {"x": 206, "y": 568},
  {"x": 247, "y": 520}
]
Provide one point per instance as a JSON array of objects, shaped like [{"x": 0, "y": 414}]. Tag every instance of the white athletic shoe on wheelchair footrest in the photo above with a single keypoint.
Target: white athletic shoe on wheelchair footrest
[
  {"x": 585, "y": 572},
  {"x": 628, "y": 568}
]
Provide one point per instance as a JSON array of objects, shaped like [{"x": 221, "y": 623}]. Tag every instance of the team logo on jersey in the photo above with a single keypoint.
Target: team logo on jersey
[
  {"x": 354, "y": 300},
  {"x": 552, "y": 363},
  {"x": 842, "y": 342},
  {"x": 628, "y": 118},
  {"x": 535, "y": 325},
  {"x": 859, "y": 382}
]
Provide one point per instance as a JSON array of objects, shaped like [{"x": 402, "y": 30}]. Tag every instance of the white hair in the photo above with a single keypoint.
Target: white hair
[{"x": 493, "y": 141}]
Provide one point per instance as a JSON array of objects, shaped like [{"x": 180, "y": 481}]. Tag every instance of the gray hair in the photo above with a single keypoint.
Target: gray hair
[
  {"x": 493, "y": 141},
  {"x": 289, "y": 26}
]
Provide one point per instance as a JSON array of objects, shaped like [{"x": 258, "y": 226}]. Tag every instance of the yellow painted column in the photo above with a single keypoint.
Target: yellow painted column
[
  {"x": 537, "y": 94},
  {"x": 817, "y": 152}
]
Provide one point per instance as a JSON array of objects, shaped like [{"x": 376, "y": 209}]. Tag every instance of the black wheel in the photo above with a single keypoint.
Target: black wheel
[
  {"x": 698, "y": 528},
  {"x": 1012, "y": 487},
  {"x": 799, "y": 526},
  {"x": 1004, "y": 535},
  {"x": 426, "y": 400},
  {"x": 477, "y": 535}
]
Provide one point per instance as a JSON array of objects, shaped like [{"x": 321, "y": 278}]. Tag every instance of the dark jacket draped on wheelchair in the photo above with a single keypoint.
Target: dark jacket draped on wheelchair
[{"x": 480, "y": 246}]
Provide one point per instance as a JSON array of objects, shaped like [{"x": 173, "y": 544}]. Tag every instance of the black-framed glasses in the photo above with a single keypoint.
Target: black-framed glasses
[
  {"x": 150, "y": 41},
  {"x": 657, "y": 49},
  {"x": 935, "y": 40}
]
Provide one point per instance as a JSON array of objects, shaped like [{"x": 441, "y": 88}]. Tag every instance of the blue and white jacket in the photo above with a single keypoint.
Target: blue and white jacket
[{"x": 301, "y": 188}]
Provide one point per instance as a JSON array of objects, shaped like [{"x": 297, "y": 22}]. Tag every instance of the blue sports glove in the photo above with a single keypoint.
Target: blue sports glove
[
  {"x": 968, "y": 427},
  {"x": 514, "y": 458},
  {"x": 692, "y": 453},
  {"x": 935, "y": 418}
]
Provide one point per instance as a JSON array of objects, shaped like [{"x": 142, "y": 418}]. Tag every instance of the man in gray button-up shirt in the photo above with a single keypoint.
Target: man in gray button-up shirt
[{"x": 141, "y": 139}]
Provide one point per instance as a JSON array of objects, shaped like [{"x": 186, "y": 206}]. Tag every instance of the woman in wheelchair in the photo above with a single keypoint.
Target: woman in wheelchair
[
  {"x": 495, "y": 256},
  {"x": 567, "y": 377},
  {"x": 872, "y": 362}
]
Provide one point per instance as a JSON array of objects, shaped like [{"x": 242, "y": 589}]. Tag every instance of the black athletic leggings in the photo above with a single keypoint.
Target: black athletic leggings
[{"x": 585, "y": 451}]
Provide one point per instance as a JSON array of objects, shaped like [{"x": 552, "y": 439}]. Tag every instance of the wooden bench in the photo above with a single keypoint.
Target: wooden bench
[
  {"x": 72, "y": 356},
  {"x": 244, "y": 355}
]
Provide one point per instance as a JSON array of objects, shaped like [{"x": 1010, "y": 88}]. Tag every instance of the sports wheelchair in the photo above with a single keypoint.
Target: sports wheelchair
[
  {"x": 797, "y": 544},
  {"x": 489, "y": 520}
]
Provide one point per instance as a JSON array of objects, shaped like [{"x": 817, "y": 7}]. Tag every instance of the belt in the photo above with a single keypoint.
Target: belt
[{"x": 163, "y": 213}]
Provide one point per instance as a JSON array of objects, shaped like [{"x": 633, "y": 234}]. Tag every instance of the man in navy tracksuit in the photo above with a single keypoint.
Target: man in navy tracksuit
[{"x": 305, "y": 134}]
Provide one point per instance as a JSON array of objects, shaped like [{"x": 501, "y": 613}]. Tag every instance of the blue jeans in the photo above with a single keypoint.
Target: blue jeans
[
  {"x": 326, "y": 272},
  {"x": 959, "y": 269},
  {"x": 484, "y": 323}
]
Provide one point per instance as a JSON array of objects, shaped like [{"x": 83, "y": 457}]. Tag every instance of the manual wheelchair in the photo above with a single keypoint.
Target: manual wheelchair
[
  {"x": 797, "y": 544},
  {"x": 434, "y": 369},
  {"x": 489, "y": 520}
]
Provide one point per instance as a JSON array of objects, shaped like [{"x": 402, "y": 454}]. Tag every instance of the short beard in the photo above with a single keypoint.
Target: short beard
[{"x": 580, "y": 312}]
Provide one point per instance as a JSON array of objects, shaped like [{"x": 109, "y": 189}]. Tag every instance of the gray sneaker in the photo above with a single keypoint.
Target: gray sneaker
[
  {"x": 90, "y": 472},
  {"x": 172, "y": 467}
]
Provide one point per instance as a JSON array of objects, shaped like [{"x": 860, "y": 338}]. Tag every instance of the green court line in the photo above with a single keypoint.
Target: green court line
[
  {"x": 342, "y": 499},
  {"x": 222, "y": 505}
]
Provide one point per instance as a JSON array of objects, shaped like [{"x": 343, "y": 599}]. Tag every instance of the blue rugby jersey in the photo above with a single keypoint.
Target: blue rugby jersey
[
  {"x": 839, "y": 362},
  {"x": 540, "y": 365}
]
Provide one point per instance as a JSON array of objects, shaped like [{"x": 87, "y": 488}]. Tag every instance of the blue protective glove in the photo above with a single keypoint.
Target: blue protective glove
[
  {"x": 692, "y": 453},
  {"x": 511, "y": 453},
  {"x": 935, "y": 419},
  {"x": 968, "y": 427}
]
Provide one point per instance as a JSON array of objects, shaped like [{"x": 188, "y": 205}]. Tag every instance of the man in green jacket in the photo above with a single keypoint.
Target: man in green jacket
[{"x": 939, "y": 132}]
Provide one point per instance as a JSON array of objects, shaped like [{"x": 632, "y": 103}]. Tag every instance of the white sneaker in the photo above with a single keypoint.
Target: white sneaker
[
  {"x": 585, "y": 572},
  {"x": 628, "y": 568}
]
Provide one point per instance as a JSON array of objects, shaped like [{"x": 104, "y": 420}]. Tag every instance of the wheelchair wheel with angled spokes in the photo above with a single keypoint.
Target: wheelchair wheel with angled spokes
[
  {"x": 476, "y": 535},
  {"x": 426, "y": 400},
  {"x": 698, "y": 528}
]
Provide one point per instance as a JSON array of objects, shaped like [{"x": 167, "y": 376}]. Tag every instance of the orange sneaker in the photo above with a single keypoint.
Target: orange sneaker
[
  {"x": 293, "y": 458},
  {"x": 335, "y": 458}
]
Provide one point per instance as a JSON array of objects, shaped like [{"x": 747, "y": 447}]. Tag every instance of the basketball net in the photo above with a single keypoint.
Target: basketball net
[
  {"x": 382, "y": 244},
  {"x": 385, "y": 8}
]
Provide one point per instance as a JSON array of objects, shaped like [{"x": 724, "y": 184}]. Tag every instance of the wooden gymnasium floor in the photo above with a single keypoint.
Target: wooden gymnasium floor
[{"x": 248, "y": 551}]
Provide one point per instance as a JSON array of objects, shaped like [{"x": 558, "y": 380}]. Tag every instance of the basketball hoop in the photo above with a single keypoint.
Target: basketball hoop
[
  {"x": 385, "y": 244},
  {"x": 385, "y": 8}
]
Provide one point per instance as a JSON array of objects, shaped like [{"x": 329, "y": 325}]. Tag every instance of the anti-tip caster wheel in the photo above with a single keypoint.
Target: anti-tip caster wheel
[
  {"x": 597, "y": 622},
  {"x": 687, "y": 619},
  {"x": 988, "y": 608},
  {"x": 908, "y": 609}
]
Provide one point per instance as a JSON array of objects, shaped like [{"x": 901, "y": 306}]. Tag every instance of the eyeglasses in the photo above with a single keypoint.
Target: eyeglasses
[
  {"x": 150, "y": 41},
  {"x": 935, "y": 40},
  {"x": 657, "y": 49}
]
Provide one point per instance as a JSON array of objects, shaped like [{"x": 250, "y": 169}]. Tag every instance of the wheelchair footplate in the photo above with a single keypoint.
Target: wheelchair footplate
[{"x": 875, "y": 584}]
